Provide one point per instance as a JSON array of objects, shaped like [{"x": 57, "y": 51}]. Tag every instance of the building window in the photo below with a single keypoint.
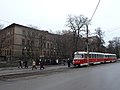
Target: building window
[
  {"x": 44, "y": 37},
  {"x": 8, "y": 33},
  {"x": 10, "y": 52},
  {"x": 51, "y": 53},
  {"x": 44, "y": 52},
  {"x": 48, "y": 45},
  {"x": 44, "y": 45},
  {"x": 23, "y": 41},
  {"x": 28, "y": 42},
  {"x": 48, "y": 53},
  {"x": 23, "y": 32},
  {"x": 29, "y": 34},
  {"x": 51, "y": 46},
  {"x": 22, "y": 51},
  {"x": 32, "y": 42},
  {"x": 33, "y": 34}
]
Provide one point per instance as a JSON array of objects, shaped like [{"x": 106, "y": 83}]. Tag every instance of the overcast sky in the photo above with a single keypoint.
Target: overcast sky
[{"x": 52, "y": 14}]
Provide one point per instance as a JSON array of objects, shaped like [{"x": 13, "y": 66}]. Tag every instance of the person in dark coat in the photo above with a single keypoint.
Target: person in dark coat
[
  {"x": 64, "y": 62},
  {"x": 20, "y": 64},
  {"x": 25, "y": 64},
  {"x": 41, "y": 64},
  {"x": 68, "y": 62}
]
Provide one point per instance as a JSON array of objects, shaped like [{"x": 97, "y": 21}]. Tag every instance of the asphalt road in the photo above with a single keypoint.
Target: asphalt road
[{"x": 98, "y": 77}]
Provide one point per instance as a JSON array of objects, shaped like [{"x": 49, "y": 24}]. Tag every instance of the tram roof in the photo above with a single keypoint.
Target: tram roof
[
  {"x": 109, "y": 54},
  {"x": 83, "y": 52},
  {"x": 79, "y": 52}
]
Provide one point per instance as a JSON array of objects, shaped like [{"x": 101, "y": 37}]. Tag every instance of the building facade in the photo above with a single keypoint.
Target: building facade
[{"x": 26, "y": 43}]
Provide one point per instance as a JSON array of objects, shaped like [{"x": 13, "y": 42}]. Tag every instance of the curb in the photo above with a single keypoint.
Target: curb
[{"x": 31, "y": 73}]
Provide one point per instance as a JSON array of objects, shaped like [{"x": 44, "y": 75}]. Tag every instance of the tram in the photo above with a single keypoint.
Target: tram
[{"x": 84, "y": 58}]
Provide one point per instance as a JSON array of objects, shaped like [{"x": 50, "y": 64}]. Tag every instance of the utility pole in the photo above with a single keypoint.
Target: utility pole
[{"x": 87, "y": 44}]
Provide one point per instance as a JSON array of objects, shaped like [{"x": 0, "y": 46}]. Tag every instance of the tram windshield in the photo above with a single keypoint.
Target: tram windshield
[{"x": 78, "y": 56}]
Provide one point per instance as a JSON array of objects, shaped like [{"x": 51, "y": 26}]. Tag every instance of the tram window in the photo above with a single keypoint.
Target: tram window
[
  {"x": 96, "y": 55},
  {"x": 100, "y": 56},
  {"x": 113, "y": 56},
  {"x": 106, "y": 56},
  {"x": 93, "y": 55},
  {"x": 81, "y": 56},
  {"x": 109, "y": 56},
  {"x": 90, "y": 55},
  {"x": 78, "y": 56}
]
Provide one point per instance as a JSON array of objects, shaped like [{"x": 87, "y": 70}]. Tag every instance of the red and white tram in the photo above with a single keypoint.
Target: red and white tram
[
  {"x": 110, "y": 57},
  {"x": 80, "y": 58}
]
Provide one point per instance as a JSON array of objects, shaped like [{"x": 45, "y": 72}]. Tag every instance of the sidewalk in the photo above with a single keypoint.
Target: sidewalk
[{"x": 16, "y": 70}]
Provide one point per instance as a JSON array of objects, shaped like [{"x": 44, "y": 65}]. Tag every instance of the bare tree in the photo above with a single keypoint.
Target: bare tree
[
  {"x": 67, "y": 43},
  {"x": 117, "y": 45},
  {"x": 1, "y": 26},
  {"x": 114, "y": 46},
  {"x": 75, "y": 23},
  {"x": 100, "y": 35},
  {"x": 111, "y": 47},
  {"x": 33, "y": 26}
]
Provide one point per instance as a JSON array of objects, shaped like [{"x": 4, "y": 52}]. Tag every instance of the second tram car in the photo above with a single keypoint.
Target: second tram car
[{"x": 80, "y": 58}]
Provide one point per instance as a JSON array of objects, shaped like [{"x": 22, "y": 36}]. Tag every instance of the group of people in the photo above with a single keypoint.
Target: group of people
[
  {"x": 34, "y": 64},
  {"x": 40, "y": 63},
  {"x": 68, "y": 61},
  {"x": 22, "y": 64}
]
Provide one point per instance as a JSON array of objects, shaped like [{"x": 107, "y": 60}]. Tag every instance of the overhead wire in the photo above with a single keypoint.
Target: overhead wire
[
  {"x": 5, "y": 21},
  {"x": 94, "y": 11},
  {"x": 112, "y": 29}
]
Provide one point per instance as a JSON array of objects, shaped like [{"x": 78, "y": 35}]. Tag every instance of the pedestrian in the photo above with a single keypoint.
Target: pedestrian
[
  {"x": 63, "y": 61},
  {"x": 41, "y": 64},
  {"x": 25, "y": 64},
  {"x": 57, "y": 61},
  {"x": 20, "y": 64},
  {"x": 68, "y": 62},
  {"x": 34, "y": 65}
]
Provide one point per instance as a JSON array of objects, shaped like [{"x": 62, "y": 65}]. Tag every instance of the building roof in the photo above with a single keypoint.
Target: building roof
[{"x": 14, "y": 24}]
